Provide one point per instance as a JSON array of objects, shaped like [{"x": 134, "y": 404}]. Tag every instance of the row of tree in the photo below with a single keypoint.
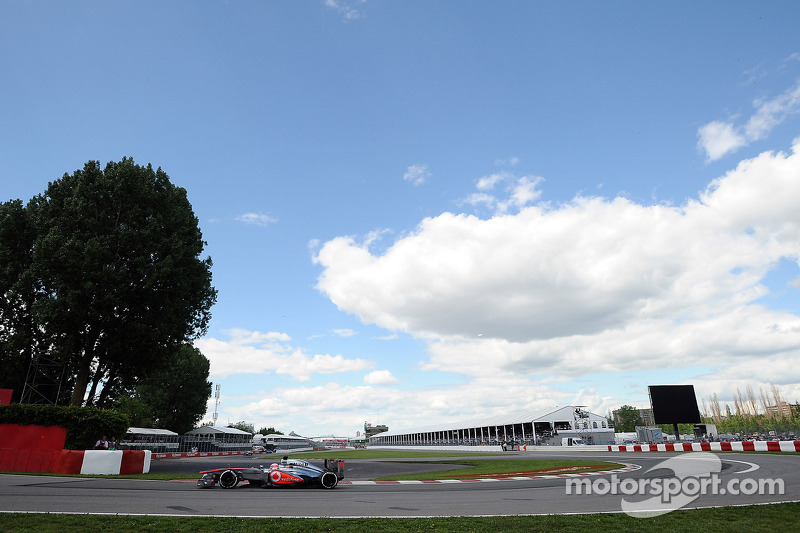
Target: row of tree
[
  {"x": 102, "y": 289},
  {"x": 250, "y": 428},
  {"x": 760, "y": 413},
  {"x": 751, "y": 413}
]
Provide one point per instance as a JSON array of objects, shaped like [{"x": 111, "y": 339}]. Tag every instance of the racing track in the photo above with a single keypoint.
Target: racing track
[{"x": 507, "y": 497}]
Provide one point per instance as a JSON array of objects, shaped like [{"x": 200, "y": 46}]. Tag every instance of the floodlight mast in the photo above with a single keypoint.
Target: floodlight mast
[{"x": 216, "y": 405}]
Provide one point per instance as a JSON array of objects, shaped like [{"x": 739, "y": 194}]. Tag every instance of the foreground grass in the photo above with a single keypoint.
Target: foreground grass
[{"x": 766, "y": 518}]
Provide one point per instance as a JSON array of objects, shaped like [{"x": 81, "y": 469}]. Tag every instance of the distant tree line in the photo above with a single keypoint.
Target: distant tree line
[
  {"x": 102, "y": 289},
  {"x": 250, "y": 428},
  {"x": 752, "y": 413}
]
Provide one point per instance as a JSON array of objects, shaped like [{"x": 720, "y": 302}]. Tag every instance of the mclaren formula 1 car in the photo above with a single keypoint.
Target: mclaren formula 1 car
[{"x": 287, "y": 473}]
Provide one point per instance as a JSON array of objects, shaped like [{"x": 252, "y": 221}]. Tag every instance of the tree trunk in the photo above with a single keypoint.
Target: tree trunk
[
  {"x": 111, "y": 373},
  {"x": 98, "y": 375},
  {"x": 82, "y": 380}
]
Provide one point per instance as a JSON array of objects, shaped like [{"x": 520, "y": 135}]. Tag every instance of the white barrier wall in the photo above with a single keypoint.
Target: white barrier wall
[
  {"x": 116, "y": 462},
  {"x": 440, "y": 448}
]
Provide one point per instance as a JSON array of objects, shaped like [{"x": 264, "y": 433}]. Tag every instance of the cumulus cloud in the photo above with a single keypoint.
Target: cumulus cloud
[
  {"x": 513, "y": 192},
  {"x": 718, "y": 138},
  {"x": 380, "y": 377},
  {"x": 417, "y": 174},
  {"x": 594, "y": 285},
  {"x": 247, "y": 352},
  {"x": 327, "y": 408},
  {"x": 256, "y": 219}
]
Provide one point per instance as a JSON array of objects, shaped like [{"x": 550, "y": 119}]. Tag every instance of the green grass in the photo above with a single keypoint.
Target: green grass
[
  {"x": 764, "y": 518},
  {"x": 519, "y": 467},
  {"x": 379, "y": 454}
]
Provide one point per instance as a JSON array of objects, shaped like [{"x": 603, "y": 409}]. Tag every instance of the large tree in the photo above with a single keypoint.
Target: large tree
[
  {"x": 17, "y": 331},
  {"x": 117, "y": 273},
  {"x": 173, "y": 397},
  {"x": 629, "y": 418}
]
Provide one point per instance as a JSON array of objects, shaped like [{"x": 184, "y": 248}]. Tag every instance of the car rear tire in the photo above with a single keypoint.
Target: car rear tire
[
  {"x": 228, "y": 479},
  {"x": 328, "y": 480}
]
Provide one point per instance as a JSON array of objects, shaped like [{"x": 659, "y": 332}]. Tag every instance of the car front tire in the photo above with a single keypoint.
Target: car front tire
[{"x": 228, "y": 479}]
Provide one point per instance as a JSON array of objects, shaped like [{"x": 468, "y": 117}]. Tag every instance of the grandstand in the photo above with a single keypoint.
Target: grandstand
[{"x": 537, "y": 428}]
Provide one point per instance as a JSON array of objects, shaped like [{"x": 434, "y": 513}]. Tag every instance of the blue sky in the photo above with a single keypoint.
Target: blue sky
[{"x": 433, "y": 211}]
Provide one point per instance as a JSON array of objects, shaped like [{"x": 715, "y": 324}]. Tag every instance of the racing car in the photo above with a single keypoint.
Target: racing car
[{"x": 287, "y": 473}]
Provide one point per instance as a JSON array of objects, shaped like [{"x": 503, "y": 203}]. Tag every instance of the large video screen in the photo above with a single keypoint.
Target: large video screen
[{"x": 674, "y": 404}]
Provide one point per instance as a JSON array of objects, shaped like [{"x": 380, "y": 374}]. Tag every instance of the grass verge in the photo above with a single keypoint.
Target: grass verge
[
  {"x": 498, "y": 468},
  {"x": 381, "y": 454},
  {"x": 763, "y": 518}
]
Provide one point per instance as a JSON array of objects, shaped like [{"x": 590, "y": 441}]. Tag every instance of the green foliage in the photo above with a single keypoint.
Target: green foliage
[
  {"x": 138, "y": 412},
  {"x": 758, "y": 424},
  {"x": 172, "y": 397},
  {"x": 17, "y": 331},
  {"x": 84, "y": 425},
  {"x": 102, "y": 273},
  {"x": 629, "y": 418},
  {"x": 683, "y": 429},
  {"x": 269, "y": 431}
]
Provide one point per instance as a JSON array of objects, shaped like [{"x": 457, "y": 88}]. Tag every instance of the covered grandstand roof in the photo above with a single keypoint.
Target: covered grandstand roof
[
  {"x": 521, "y": 417},
  {"x": 216, "y": 430},
  {"x": 151, "y": 431}
]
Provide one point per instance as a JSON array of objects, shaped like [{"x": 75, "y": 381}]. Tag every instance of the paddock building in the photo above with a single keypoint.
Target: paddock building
[
  {"x": 218, "y": 439},
  {"x": 543, "y": 428}
]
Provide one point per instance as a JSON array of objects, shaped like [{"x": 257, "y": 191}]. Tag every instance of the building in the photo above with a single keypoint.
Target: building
[
  {"x": 546, "y": 427},
  {"x": 217, "y": 439},
  {"x": 783, "y": 409},
  {"x": 283, "y": 443},
  {"x": 370, "y": 430},
  {"x": 156, "y": 440}
]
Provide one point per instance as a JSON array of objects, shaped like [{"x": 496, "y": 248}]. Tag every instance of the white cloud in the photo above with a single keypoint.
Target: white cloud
[
  {"x": 417, "y": 174},
  {"x": 510, "y": 162},
  {"x": 327, "y": 408},
  {"x": 346, "y": 8},
  {"x": 719, "y": 138},
  {"x": 259, "y": 353},
  {"x": 594, "y": 285},
  {"x": 380, "y": 377},
  {"x": 256, "y": 219},
  {"x": 515, "y": 192}
]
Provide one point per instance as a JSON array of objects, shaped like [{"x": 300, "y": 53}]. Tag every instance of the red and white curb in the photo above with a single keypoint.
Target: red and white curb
[
  {"x": 751, "y": 446},
  {"x": 627, "y": 468}
]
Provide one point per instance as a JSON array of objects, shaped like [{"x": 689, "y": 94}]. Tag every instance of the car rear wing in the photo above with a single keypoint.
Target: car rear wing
[{"x": 336, "y": 466}]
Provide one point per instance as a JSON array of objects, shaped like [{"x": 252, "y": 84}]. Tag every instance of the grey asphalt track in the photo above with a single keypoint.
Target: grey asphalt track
[{"x": 512, "y": 497}]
